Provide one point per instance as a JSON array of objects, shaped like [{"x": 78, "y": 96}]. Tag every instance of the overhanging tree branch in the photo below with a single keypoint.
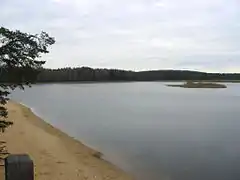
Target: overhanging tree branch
[{"x": 18, "y": 63}]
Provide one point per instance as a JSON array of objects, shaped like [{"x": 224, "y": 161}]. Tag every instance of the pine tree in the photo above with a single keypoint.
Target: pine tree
[{"x": 18, "y": 63}]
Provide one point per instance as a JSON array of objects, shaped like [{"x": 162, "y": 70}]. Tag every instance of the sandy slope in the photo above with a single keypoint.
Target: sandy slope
[{"x": 56, "y": 156}]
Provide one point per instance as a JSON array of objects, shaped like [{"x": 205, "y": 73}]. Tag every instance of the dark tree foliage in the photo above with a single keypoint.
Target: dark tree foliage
[
  {"x": 18, "y": 64},
  {"x": 84, "y": 74},
  {"x": 89, "y": 74}
]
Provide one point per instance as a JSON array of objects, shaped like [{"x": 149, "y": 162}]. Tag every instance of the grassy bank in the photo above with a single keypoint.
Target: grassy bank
[{"x": 55, "y": 154}]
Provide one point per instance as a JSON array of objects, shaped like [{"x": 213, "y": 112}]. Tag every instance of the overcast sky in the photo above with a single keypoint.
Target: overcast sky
[{"x": 133, "y": 34}]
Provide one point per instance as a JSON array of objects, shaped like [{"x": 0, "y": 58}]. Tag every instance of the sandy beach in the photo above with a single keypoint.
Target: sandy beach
[{"x": 56, "y": 156}]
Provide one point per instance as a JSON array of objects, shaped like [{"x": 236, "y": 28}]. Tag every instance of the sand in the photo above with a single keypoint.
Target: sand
[{"x": 56, "y": 155}]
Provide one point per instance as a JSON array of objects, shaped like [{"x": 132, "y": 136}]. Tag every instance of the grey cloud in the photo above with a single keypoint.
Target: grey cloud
[{"x": 127, "y": 33}]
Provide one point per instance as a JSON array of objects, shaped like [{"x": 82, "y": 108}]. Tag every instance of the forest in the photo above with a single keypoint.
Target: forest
[{"x": 90, "y": 74}]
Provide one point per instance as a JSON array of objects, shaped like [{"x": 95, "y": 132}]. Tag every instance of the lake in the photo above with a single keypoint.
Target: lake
[{"x": 147, "y": 129}]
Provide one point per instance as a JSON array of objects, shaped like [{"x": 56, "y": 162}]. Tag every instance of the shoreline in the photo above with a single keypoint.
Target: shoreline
[
  {"x": 34, "y": 112},
  {"x": 133, "y": 81},
  {"x": 55, "y": 154},
  {"x": 199, "y": 85}
]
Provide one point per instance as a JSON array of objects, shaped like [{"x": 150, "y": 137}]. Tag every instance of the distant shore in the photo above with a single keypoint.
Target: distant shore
[
  {"x": 55, "y": 154},
  {"x": 190, "y": 84},
  {"x": 122, "y": 81}
]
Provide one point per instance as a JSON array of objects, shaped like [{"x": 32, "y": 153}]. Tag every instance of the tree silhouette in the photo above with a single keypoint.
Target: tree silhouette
[
  {"x": 18, "y": 63},
  {"x": 80, "y": 74}
]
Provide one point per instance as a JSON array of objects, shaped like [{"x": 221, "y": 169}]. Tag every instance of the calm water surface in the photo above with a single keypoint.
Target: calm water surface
[{"x": 150, "y": 130}]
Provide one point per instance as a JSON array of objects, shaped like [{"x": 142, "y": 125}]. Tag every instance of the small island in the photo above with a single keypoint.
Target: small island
[{"x": 191, "y": 84}]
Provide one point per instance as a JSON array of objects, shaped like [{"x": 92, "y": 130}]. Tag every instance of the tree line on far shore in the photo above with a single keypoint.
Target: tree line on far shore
[{"x": 90, "y": 74}]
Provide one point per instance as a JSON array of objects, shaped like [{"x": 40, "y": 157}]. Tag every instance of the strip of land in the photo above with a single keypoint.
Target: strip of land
[
  {"x": 56, "y": 156},
  {"x": 198, "y": 85}
]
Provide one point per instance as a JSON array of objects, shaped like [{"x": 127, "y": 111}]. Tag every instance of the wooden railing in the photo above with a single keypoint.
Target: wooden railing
[{"x": 19, "y": 167}]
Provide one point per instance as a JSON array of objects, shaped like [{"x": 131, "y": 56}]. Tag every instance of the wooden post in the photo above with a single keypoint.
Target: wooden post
[{"x": 19, "y": 167}]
